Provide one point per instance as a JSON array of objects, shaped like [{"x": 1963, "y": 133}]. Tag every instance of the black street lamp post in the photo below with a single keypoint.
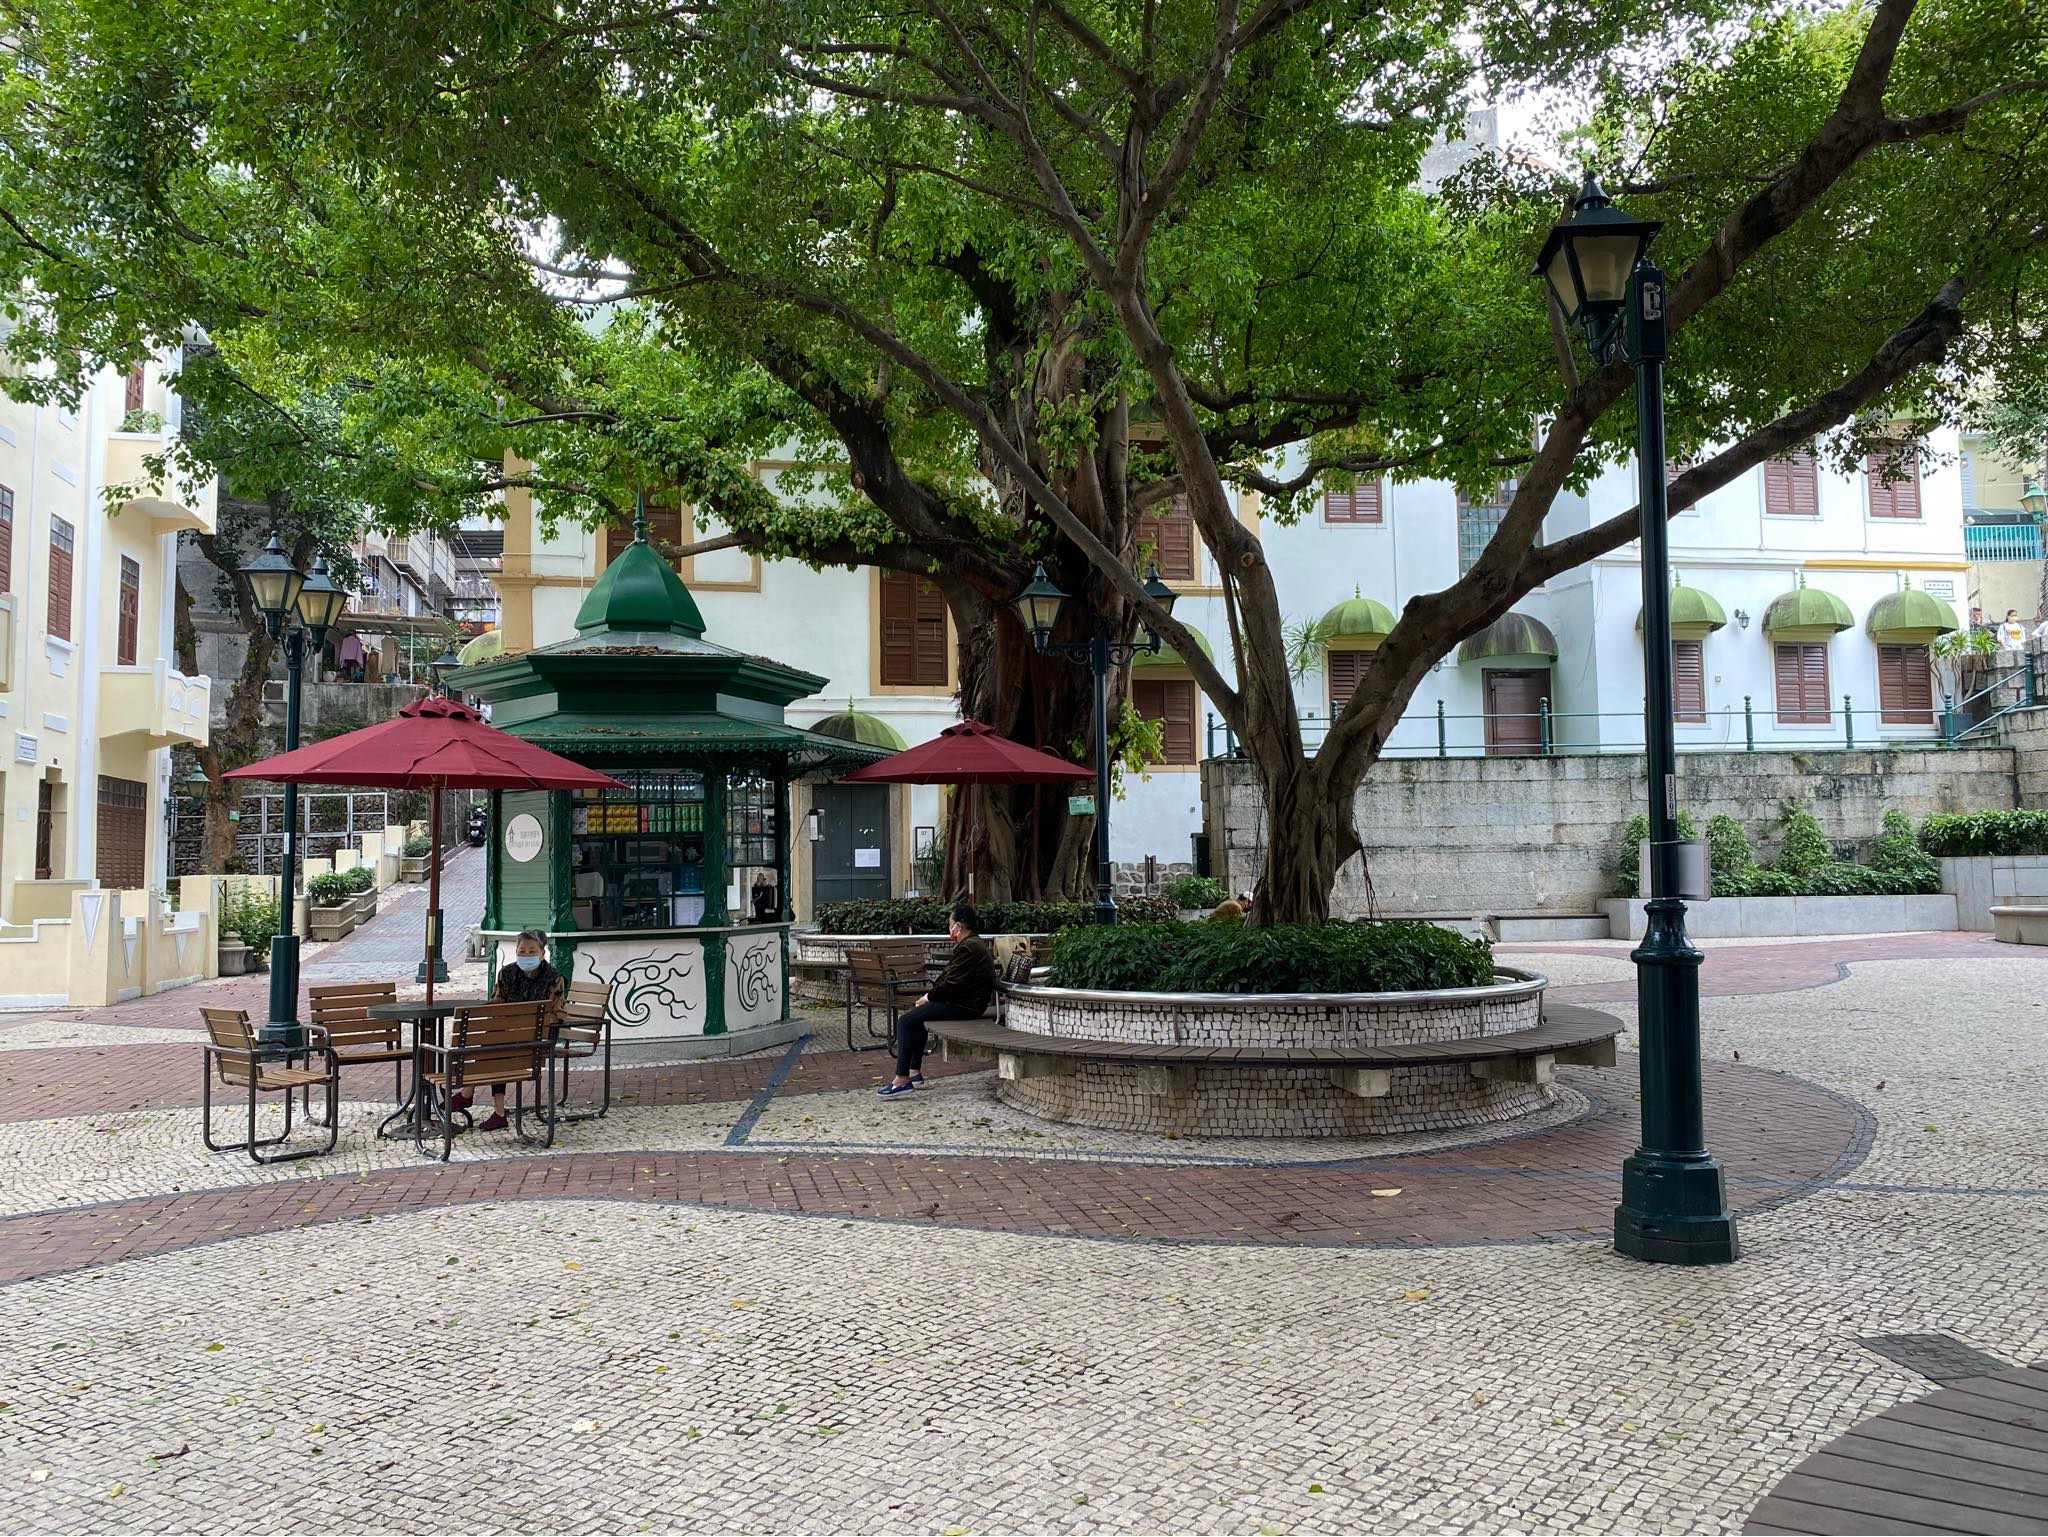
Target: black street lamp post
[
  {"x": 1674, "y": 1209},
  {"x": 438, "y": 670},
  {"x": 1040, "y": 606},
  {"x": 297, "y": 608}
]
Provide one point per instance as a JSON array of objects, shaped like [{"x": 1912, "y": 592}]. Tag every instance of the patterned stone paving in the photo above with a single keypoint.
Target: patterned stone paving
[{"x": 758, "y": 1298}]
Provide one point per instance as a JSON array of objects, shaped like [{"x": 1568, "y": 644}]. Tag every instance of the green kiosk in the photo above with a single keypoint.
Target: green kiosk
[{"x": 673, "y": 892}]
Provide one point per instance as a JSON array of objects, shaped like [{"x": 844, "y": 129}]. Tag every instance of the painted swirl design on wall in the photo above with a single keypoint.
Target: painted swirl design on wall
[
  {"x": 651, "y": 987},
  {"x": 755, "y": 972}
]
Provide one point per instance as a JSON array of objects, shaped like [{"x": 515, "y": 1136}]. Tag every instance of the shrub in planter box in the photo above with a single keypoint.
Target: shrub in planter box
[
  {"x": 1392, "y": 957},
  {"x": 332, "y": 910},
  {"x": 412, "y": 859}
]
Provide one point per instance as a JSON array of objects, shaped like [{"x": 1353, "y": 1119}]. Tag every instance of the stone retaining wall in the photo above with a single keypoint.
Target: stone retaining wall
[{"x": 1468, "y": 836}]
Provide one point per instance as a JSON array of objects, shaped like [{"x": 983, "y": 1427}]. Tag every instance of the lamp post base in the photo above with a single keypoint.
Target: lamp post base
[
  {"x": 282, "y": 1031},
  {"x": 1674, "y": 1211},
  {"x": 440, "y": 965}
]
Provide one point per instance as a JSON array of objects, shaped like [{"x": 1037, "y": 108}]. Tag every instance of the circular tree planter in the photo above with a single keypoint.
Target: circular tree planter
[{"x": 1234, "y": 1101}]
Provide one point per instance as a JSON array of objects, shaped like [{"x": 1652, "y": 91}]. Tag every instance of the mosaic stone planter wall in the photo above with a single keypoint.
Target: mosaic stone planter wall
[{"x": 1274, "y": 1102}]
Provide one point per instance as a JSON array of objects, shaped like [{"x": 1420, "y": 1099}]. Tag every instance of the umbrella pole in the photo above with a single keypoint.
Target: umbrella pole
[{"x": 433, "y": 888}]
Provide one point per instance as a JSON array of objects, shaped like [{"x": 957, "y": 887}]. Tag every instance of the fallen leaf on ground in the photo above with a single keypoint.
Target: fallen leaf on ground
[
  {"x": 584, "y": 1427},
  {"x": 1382, "y": 1194},
  {"x": 1417, "y": 1294}
]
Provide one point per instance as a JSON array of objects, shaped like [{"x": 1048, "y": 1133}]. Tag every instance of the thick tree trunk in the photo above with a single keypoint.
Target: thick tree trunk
[{"x": 1309, "y": 834}]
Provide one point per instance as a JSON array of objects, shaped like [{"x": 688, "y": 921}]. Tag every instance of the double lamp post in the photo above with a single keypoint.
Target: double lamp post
[
  {"x": 297, "y": 608},
  {"x": 1040, "y": 606},
  {"x": 1674, "y": 1209}
]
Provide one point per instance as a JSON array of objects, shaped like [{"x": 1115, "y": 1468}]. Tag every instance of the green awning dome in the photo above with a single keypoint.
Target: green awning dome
[
  {"x": 1808, "y": 613},
  {"x": 640, "y": 593},
  {"x": 1909, "y": 616},
  {"x": 1510, "y": 635},
  {"x": 851, "y": 725},
  {"x": 1357, "y": 624},
  {"x": 1168, "y": 657},
  {"x": 482, "y": 648},
  {"x": 1695, "y": 612}
]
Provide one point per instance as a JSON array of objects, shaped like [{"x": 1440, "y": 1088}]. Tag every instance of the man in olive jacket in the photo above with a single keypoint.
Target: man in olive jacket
[{"x": 961, "y": 991}]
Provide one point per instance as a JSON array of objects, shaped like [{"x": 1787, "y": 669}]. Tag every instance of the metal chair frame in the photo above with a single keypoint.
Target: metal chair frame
[
  {"x": 508, "y": 1043},
  {"x": 239, "y": 1058}
]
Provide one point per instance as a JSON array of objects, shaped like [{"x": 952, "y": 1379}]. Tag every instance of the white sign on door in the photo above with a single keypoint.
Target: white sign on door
[
  {"x": 867, "y": 859},
  {"x": 522, "y": 837}
]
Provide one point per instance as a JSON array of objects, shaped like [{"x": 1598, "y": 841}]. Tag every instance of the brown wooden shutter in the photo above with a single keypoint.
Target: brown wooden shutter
[
  {"x": 1171, "y": 702},
  {"x": 60, "y": 579},
  {"x": 1346, "y": 670},
  {"x": 664, "y": 532},
  {"x": 133, "y": 396},
  {"x": 1361, "y": 504},
  {"x": 1801, "y": 669},
  {"x": 1168, "y": 537},
  {"x": 1688, "y": 681},
  {"x": 6, "y": 539},
  {"x": 1905, "y": 686},
  {"x": 122, "y": 836},
  {"x": 912, "y": 631},
  {"x": 1792, "y": 485},
  {"x": 1901, "y": 497},
  {"x": 131, "y": 613}
]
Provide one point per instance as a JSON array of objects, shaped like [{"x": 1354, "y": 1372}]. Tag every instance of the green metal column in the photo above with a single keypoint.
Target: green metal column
[{"x": 717, "y": 847}]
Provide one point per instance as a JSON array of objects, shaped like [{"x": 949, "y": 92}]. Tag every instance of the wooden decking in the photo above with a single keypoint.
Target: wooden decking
[{"x": 1969, "y": 1457}]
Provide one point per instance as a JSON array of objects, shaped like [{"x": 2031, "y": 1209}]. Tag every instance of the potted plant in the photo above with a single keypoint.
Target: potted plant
[
  {"x": 362, "y": 885},
  {"x": 331, "y": 912},
  {"x": 412, "y": 859},
  {"x": 1194, "y": 896},
  {"x": 246, "y": 922}
]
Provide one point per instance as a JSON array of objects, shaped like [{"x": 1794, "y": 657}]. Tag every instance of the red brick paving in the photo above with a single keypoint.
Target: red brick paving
[
  {"x": 1735, "y": 970},
  {"x": 1557, "y": 1185}
]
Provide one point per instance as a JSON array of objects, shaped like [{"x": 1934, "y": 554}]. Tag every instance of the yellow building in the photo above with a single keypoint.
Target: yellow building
[
  {"x": 91, "y": 699},
  {"x": 2001, "y": 539}
]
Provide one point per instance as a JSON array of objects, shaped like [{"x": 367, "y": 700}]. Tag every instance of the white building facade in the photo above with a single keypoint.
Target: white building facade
[{"x": 1791, "y": 630}]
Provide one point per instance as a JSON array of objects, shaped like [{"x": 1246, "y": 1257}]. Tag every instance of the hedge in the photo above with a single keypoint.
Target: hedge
[
  {"x": 1393, "y": 957},
  {"x": 1965, "y": 833},
  {"x": 919, "y": 915},
  {"x": 1185, "y": 891}
]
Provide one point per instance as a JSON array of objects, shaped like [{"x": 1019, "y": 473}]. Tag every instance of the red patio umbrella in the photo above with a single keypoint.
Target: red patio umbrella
[
  {"x": 432, "y": 744},
  {"x": 969, "y": 754}
]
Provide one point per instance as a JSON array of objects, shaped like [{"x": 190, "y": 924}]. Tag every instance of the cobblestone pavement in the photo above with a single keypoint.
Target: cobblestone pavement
[{"x": 757, "y": 1298}]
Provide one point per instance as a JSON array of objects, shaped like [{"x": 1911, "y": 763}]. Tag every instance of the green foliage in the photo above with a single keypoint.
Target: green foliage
[
  {"x": 928, "y": 869},
  {"x": 1729, "y": 856},
  {"x": 916, "y": 915},
  {"x": 1806, "y": 847},
  {"x": 329, "y": 890},
  {"x": 1628, "y": 853},
  {"x": 1185, "y": 891},
  {"x": 361, "y": 879},
  {"x": 1963, "y": 833},
  {"x": 248, "y": 912},
  {"x": 417, "y": 848},
  {"x": 1399, "y": 956},
  {"x": 1135, "y": 744}
]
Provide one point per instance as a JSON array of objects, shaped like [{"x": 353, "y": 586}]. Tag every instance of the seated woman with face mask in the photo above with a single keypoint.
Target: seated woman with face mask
[{"x": 529, "y": 979}]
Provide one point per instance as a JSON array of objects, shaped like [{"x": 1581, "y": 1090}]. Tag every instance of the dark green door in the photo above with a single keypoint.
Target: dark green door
[{"x": 850, "y": 860}]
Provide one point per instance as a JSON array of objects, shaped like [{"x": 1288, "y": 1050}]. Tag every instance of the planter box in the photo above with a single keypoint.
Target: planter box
[
  {"x": 1981, "y": 882},
  {"x": 1786, "y": 917},
  {"x": 2020, "y": 925},
  {"x": 412, "y": 869},
  {"x": 330, "y": 923},
  {"x": 365, "y": 904},
  {"x": 235, "y": 958},
  {"x": 1240, "y": 1101}
]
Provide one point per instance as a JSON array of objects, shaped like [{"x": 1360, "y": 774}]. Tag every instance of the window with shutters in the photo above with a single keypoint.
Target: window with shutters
[
  {"x": 911, "y": 616},
  {"x": 6, "y": 539},
  {"x": 1167, "y": 535},
  {"x": 1171, "y": 702},
  {"x": 132, "y": 398},
  {"x": 664, "y": 532},
  {"x": 131, "y": 613},
  {"x": 1802, "y": 678},
  {"x": 60, "y": 579},
  {"x": 1361, "y": 504},
  {"x": 1689, "y": 682},
  {"x": 1345, "y": 670},
  {"x": 1968, "y": 467},
  {"x": 1905, "y": 686},
  {"x": 1478, "y": 522},
  {"x": 122, "y": 836},
  {"x": 1792, "y": 485},
  {"x": 1892, "y": 474}
]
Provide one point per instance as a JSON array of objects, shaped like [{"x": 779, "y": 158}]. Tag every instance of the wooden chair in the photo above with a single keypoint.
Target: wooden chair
[
  {"x": 584, "y": 1031},
  {"x": 487, "y": 1043},
  {"x": 876, "y": 977},
  {"x": 233, "y": 1052},
  {"x": 341, "y": 1009}
]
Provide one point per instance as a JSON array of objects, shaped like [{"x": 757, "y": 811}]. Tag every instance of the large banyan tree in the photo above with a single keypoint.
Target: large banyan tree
[{"x": 1007, "y": 276}]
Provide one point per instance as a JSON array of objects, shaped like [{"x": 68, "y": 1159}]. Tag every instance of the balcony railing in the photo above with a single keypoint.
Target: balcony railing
[
  {"x": 168, "y": 505},
  {"x": 157, "y": 703},
  {"x": 2002, "y": 541}
]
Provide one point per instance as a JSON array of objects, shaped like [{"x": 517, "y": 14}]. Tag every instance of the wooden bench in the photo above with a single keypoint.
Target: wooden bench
[
  {"x": 342, "y": 1010},
  {"x": 1567, "y": 1034}
]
